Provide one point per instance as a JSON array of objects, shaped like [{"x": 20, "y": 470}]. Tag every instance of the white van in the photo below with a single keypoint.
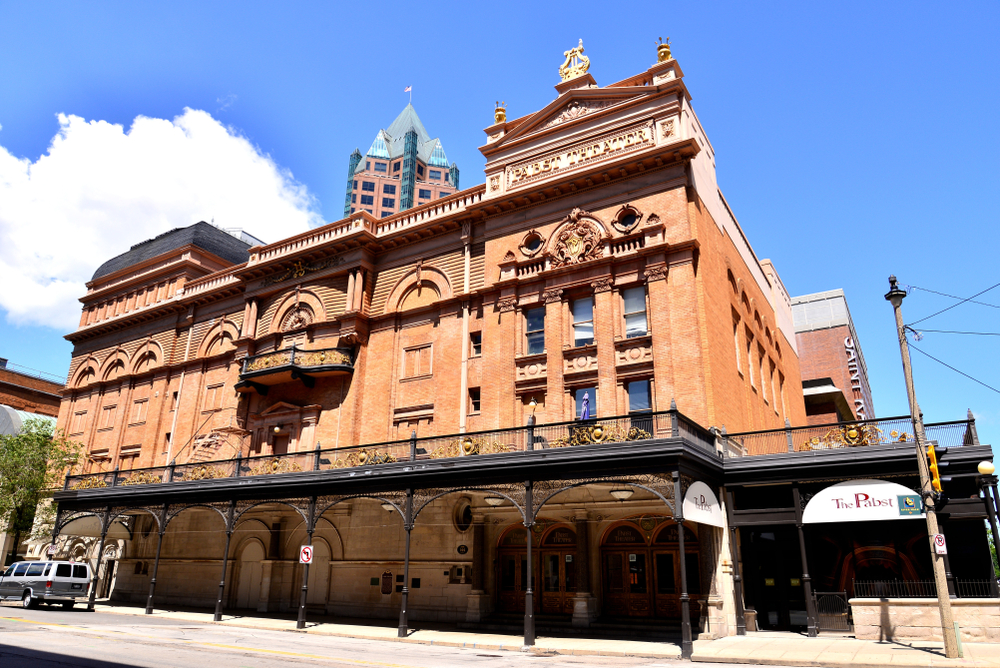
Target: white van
[{"x": 50, "y": 582}]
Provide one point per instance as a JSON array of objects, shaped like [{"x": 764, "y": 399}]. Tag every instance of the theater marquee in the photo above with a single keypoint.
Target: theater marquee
[
  {"x": 863, "y": 501},
  {"x": 582, "y": 154}
]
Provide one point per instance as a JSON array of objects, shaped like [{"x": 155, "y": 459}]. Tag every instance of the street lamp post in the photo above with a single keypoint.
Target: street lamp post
[{"x": 895, "y": 297}]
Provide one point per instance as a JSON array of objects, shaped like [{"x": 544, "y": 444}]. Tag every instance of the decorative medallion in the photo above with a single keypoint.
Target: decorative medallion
[
  {"x": 576, "y": 64},
  {"x": 506, "y": 304},
  {"x": 577, "y": 109},
  {"x": 297, "y": 319},
  {"x": 667, "y": 128},
  {"x": 602, "y": 285},
  {"x": 494, "y": 183},
  {"x": 657, "y": 273},
  {"x": 553, "y": 295},
  {"x": 578, "y": 241},
  {"x": 300, "y": 269}
]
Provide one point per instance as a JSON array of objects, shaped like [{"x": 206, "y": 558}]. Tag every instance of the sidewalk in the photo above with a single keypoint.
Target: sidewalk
[
  {"x": 791, "y": 649},
  {"x": 775, "y": 648},
  {"x": 427, "y": 635}
]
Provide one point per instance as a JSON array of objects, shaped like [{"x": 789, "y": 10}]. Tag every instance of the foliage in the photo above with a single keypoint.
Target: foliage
[
  {"x": 32, "y": 465},
  {"x": 993, "y": 551}
]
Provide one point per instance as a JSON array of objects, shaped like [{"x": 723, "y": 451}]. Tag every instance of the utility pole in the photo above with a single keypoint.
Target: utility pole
[{"x": 895, "y": 297}]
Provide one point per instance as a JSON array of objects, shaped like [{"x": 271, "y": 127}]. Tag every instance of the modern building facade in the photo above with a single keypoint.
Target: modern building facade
[
  {"x": 551, "y": 394},
  {"x": 834, "y": 374},
  {"x": 403, "y": 168}
]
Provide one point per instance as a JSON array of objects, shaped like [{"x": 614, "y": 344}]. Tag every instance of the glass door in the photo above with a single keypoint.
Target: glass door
[{"x": 558, "y": 581}]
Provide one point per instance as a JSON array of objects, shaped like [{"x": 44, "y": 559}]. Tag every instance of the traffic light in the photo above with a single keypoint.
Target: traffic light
[{"x": 934, "y": 454}]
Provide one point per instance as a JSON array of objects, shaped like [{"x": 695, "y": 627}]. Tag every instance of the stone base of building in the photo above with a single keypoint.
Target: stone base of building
[
  {"x": 479, "y": 606},
  {"x": 919, "y": 618},
  {"x": 584, "y": 610}
]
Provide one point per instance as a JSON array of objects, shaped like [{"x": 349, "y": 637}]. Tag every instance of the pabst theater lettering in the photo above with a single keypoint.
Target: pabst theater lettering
[
  {"x": 863, "y": 500},
  {"x": 592, "y": 150}
]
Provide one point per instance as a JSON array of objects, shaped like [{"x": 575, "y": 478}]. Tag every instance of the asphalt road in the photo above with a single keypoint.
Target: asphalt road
[{"x": 45, "y": 638}]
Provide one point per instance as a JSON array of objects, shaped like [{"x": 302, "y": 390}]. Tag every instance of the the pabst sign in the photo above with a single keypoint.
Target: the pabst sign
[
  {"x": 702, "y": 506},
  {"x": 863, "y": 501}
]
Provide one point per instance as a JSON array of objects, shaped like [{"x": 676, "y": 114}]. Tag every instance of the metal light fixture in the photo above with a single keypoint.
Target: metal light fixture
[
  {"x": 494, "y": 500},
  {"x": 622, "y": 493},
  {"x": 986, "y": 468},
  {"x": 388, "y": 507},
  {"x": 532, "y": 403},
  {"x": 277, "y": 428}
]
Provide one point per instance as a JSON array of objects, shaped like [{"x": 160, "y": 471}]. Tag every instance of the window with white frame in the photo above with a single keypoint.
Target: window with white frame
[
  {"x": 583, "y": 321},
  {"x": 635, "y": 312}
]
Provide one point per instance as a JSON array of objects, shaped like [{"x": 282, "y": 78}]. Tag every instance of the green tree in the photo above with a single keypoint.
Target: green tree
[
  {"x": 32, "y": 465},
  {"x": 993, "y": 550}
]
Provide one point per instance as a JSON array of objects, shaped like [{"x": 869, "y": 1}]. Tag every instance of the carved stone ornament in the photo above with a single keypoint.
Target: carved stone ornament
[
  {"x": 652, "y": 220},
  {"x": 667, "y": 128},
  {"x": 494, "y": 183},
  {"x": 579, "y": 240},
  {"x": 551, "y": 296},
  {"x": 577, "y": 109},
  {"x": 657, "y": 273},
  {"x": 507, "y": 304},
  {"x": 299, "y": 318},
  {"x": 627, "y": 219},
  {"x": 576, "y": 64},
  {"x": 300, "y": 269},
  {"x": 602, "y": 285}
]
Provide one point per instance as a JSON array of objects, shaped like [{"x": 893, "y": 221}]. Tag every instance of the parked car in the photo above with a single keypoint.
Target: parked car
[{"x": 50, "y": 582}]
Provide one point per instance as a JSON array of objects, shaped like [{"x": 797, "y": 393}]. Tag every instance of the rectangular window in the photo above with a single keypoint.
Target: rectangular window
[
  {"x": 476, "y": 339},
  {"x": 535, "y": 328},
  {"x": 424, "y": 194},
  {"x": 446, "y": 177},
  {"x": 474, "y": 400},
  {"x": 395, "y": 167},
  {"x": 763, "y": 373},
  {"x": 749, "y": 349},
  {"x": 388, "y": 203},
  {"x": 139, "y": 411},
  {"x": 417, "y": 361},
  {"x": 386, "y": 214},
  {"x": 108, "y": 417},
  {"x": 420, "y": 170},
  {"x": 736, "y": 342},
  {"x": 354, "y": 198},
  {"x": 639, "y": 399},
  {"x": 381, "y": 167},
  {"x": 435, "y": 174},
  {"x": 368, "y": 164},
  {"x": 635, "y": 312},
  {"x": 355, "y": 184},
  {"x": 213, "y": 397},
  {"x": 367, "y": 200},
  {"x": 368, "y": 186},
  {"x": 78, "y": 420},
  {"x": 389, "y": 189},
  {"x": 774, "y": 386},
  {"x": 591, "y": 395},
  {"x": 443, "y": 194},
  {"x": 583, "y": 321}
]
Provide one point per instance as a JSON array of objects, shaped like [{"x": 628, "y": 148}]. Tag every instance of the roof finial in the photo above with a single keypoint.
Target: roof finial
[
  {"x": 500, "y": 113},
  {"x": 576, "y": 63},
  {"x": 663, "y": 51}
]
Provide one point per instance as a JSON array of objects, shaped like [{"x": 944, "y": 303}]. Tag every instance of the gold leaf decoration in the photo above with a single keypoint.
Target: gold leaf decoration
[
  {"x": 363, "y": 458},
  {"x": 849, "y": 436},
  {"x": 275, "y": 465},
  {"x": 90, "y": 483},
  {"x": 144, "y": 478},
  {"x": 598, "y": 433},
  {"x": 204, "y": 472},
  {"x": 470, "y": 446},
  {"x": 268, "y": 361}
]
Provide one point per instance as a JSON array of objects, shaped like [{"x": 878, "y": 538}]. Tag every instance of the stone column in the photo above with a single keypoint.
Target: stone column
[
  {"x": 584, "y": 603},
  {"x": 604, "y": 336},
  {"x": 659, "y": 328},
  {"x": 478, "y": 600},
  {"x": 554, "y": 333}
]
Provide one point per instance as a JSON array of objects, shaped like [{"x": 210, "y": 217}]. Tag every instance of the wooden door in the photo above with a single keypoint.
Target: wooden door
[
  {"x": 627, "y": 590},
  {"x": 558, "y": 570},
  {"x": 513, "y": 579}
]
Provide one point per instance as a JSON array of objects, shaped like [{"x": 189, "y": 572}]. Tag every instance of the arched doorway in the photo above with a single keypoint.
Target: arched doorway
[
  {"x": 554, "y": 556},
  {"x": 250, "y": 570},
  {"x": 640, "y": 567}
]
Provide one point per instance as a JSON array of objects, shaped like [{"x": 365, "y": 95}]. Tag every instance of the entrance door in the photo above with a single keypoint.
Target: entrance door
[
  {"x": 775, "y": 577},
  {"x": 513, "y": 580},
  {"x": 626, "y": 577},
  {"x": 248, "y": 590},
  {"x": 558, "y": 581}
]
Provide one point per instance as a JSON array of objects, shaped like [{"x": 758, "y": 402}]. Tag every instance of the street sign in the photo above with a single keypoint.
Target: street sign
[
  {"x": 51, "y": 550},
  {"x": 939, "y": 544},
  {"x": 305, "y": 554}
]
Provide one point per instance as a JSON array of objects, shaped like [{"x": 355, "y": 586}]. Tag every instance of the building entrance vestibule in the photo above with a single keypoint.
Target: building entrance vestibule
[
  {"x": 640, "y": 568},
  {"x": 554, "y": 556}
]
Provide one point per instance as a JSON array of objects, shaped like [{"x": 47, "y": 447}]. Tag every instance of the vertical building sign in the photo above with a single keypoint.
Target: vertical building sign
[{"x": 854, "y": 369}]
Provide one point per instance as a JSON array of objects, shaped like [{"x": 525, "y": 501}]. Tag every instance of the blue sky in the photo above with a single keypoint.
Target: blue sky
[{"x": 853, "y": 139}]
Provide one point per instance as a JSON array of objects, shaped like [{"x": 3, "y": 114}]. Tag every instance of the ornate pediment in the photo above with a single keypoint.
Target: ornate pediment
[
  {"x": 576, "y": 109},
  {"x": 580, "y": 239}
]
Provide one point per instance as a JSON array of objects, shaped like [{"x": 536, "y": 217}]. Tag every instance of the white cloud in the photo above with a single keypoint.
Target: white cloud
[{"x": 99, "y": 190}]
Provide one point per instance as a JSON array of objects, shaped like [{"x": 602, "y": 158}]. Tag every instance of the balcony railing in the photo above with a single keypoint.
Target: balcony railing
[
  {"x": 846, "y": 435},
  {"x": 288, "y": 364},
  {"x": 594, "y": 434}
]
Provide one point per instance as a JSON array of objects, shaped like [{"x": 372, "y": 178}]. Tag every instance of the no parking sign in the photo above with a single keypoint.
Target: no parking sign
[{"x": 305, "y": 554}]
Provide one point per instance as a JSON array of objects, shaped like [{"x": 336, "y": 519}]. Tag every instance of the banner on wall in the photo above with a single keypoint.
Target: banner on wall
[
  {"x": 863, "y": 501},
  {"x": 702, "y": 506}
]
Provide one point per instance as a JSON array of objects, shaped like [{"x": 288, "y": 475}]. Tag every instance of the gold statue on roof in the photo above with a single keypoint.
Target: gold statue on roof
[
  {"x": 500, "y": 113},
  {"x": 663, "y": 51},
  {"x": 576, "y": 63}
]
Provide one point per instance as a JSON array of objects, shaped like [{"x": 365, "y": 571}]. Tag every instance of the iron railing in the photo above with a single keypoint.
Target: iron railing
[
  {"x": 919, "y": 589},
  {"x": 846, "y": 435},
  {"x": 595, "y": 432},
  {"x": 295, "y": 356},
  {"x": 592, "y": 433}
]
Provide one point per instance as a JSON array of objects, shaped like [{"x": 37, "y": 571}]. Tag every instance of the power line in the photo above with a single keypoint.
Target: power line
[
  {"x": 948, "y": 331},
  {"x": 945, "y": 294},
  {"x": 954, "y": 369},
  {"x": 954, "y": 305}
]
